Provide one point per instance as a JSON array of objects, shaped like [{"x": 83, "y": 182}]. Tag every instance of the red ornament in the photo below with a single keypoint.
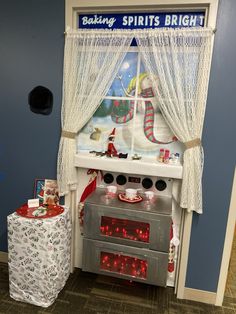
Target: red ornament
[{"x": 88, "y": 190}]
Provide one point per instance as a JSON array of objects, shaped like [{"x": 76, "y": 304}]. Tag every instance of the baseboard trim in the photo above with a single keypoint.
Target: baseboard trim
[
  {"x": 199, "y": 296},
  {"x": 3, "y": 257}
]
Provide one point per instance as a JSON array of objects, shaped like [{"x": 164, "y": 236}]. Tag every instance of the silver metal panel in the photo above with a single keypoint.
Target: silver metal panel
[
  {"x": 157, "y": 261},
  {"x": 160, "y": 204},
  {"x": 159, "y": 225},
  {"x": 138, "y": 184}
]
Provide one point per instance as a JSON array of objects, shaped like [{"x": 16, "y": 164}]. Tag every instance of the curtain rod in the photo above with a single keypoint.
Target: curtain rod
[{"x": 137, "y": 30}]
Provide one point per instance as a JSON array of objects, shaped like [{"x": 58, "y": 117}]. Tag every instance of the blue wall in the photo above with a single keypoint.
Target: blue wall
[
  {"x": 208, "y": 231},
  {"x": 31, "y": 53}
]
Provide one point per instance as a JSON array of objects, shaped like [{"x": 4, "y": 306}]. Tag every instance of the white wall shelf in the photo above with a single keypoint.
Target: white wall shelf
[{"x": 144, "y": 166}]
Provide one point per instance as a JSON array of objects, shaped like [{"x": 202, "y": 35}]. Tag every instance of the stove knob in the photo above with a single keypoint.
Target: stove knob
[
  {"x": 108, "y": 178},
  {"x": 161, "y": 185},
  {"x": 147, "y": 183},
  {"x": 121, "y": 180}
]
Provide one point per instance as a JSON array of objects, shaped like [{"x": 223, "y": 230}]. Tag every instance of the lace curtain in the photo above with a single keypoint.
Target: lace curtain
[
  {"x": 91, "y": 62},
  {"x": 179, "y": 62}
]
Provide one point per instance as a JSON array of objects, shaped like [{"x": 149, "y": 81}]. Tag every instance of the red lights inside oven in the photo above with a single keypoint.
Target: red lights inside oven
[
  {"x": 125, "y": 229},
  {"x": 123, "y": 264}
]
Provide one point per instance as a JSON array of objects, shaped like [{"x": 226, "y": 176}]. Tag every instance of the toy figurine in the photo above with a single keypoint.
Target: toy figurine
[
  {"x": 111, "y": 150},
  {"x": 122, "y": 155},
  {"x": 96, "y": 134}
]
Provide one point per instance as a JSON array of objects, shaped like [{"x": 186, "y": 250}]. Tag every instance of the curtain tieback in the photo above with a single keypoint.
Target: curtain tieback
[
  {"x": 68, "y": 134},
  {"x": 193, "y": 143}
]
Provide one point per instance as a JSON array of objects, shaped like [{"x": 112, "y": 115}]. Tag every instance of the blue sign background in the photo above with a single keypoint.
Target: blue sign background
[{"x": 141, "y": 20}]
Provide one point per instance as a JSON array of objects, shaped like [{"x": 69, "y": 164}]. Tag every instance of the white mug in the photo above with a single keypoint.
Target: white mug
[
  {"x": 149, "y": 195},
  {"x": 111, "y": 190},
  {"x": 130, "y": 193}
]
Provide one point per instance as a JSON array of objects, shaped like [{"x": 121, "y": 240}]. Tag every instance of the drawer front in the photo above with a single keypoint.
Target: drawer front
[
  {"x": 125, "y": 262},
  {"x": 127, "y": 227}
]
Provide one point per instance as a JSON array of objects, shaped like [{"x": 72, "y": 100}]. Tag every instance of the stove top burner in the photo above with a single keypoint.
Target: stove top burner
[{"x": 159, "y": 185}]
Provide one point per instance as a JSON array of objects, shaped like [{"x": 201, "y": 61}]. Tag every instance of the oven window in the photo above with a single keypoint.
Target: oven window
[
  {"x": 123, "y": 264},
  {"x": 125, "y": 229}
]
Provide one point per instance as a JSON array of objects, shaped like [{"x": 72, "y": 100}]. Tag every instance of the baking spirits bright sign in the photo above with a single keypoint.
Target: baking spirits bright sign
[{"x": 141, "y": 20}]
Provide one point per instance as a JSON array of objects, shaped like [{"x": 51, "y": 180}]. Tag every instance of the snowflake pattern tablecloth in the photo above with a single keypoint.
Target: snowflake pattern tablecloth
[{"x": 38, "y": 257}]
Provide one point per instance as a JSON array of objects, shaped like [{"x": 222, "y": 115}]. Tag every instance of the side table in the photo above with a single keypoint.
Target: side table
[{"x": 38, "y": 257}]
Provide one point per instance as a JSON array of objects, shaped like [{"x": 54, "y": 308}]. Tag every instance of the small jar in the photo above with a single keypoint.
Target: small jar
[
  {"x": 177, "y": 157},
  {"x": 161, "y": 155},
  {"x": 166, "y": 156}
]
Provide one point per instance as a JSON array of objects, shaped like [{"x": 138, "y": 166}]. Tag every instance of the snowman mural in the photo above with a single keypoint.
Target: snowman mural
[{"x": 151, "y": 128}]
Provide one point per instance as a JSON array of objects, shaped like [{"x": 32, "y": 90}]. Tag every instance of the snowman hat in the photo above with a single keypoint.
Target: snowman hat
[{"x": 113, "y": 133}]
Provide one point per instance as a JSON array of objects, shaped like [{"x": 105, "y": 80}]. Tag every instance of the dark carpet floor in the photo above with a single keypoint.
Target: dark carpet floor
[{"x": 87, "y": 293}]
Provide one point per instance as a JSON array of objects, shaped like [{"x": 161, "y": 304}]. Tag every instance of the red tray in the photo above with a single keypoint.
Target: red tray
[
  {"x": 122, "y": 198},
  {"x": 41, "y": 211}
]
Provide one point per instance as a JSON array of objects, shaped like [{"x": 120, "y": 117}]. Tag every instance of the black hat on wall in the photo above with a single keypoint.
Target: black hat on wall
[{"x": 41, "y": 100}]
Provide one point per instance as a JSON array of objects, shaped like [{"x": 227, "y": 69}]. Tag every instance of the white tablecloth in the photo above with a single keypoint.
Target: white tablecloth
[{"x": 39, "y": 257}]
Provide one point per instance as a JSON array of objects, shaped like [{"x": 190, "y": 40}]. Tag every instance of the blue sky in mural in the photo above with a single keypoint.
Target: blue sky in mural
[{"x": 127, "y": 71}]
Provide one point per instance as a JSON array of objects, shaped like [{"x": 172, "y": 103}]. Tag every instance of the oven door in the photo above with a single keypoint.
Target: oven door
[
  {"x": 125, "y": 262},
  {"x": 128, "y": 227}
]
